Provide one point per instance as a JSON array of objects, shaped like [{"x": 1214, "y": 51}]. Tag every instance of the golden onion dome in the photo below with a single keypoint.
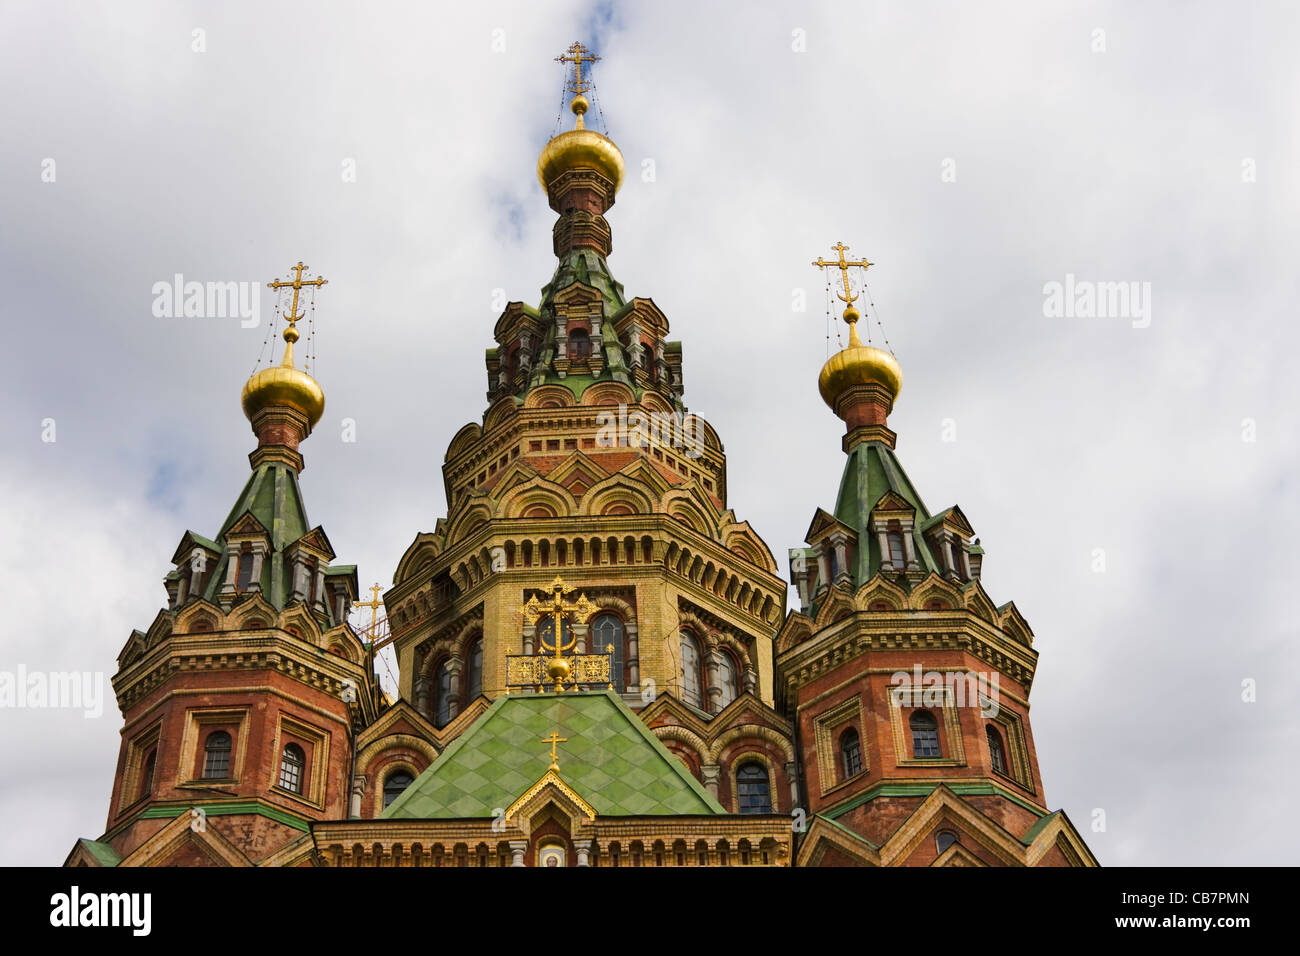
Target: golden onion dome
[
  {"x": 284, "y": 385},
  {"x": 858, "y": 364},
  {"x": 580, "y": 148}
]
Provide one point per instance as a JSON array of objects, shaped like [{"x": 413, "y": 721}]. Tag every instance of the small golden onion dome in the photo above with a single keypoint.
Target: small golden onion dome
[
  {"x": 858, "y": 364},
  {"x": 580, "y": 148},
  {"x": 284, "y": 385}
]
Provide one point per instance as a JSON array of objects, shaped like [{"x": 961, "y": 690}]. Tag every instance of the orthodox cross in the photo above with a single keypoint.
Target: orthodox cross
[
  {"x": 557, "y": 609},
  {"x": 843, "y": 265},
  {"x": 298, "y": 283},
  {"x": 554, "y": 739},
  {"x": 374, "y": 604},
  {"x": 577, "y": 55}
]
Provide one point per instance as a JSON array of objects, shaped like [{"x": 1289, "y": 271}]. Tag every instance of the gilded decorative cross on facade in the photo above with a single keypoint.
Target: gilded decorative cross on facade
[
  {"x": 557, "y": 609},
  {"x": 298, "y": 283},
  {"x": 577, "y": 55},
  {"x": 554, "y": 739}
]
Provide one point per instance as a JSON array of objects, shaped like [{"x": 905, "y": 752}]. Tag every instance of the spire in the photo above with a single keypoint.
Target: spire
[
  {"x": 859, "y": 382},
  {"x": 580, "y": 170},
  {"x": 283, "y": 403}
]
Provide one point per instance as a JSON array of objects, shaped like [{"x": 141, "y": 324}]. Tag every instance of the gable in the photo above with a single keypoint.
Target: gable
[{"x": 609, "y": 759}]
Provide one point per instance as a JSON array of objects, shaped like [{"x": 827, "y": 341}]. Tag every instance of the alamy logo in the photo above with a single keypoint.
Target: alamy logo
[
  {"x": 56, "y": 690},
  {"x": 208, "y": 300},
  {"x": 1085, "y": 299},
  {"x": 636, "y": 429},
  {"x": 102, "y": 909},
  {"x": 959, "y": 688}
]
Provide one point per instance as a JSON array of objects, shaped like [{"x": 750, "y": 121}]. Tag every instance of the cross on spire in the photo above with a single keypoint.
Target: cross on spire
[
  {"x": 577, "y": 54},
  {"x": 374, "y": 604},
  {"x": 848, "y": 298},
  {"x": 554, "y": 739},
  {"x": 298, "y": 283}
]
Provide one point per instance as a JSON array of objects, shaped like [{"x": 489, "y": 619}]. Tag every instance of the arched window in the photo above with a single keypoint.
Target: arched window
[
  {"x": 925, "y": 734},
  {"x": 442, "y": 693},
  {"x": 146, "y": 778},
  {"x": 216, "y": 756},
  {"x": 579, "y": 344},
  {"x": 394, "y": 784},
  {"x": 474, "y": 673},
  {"x": 944, "y": 839},
  {"x": 244, "y": 575},
  {"x": 956, "y": 559},
  {"x": 753, "y": 789},
  {"x": 897, "y": 555},
  {"x": 997, "y": 754},
  {"x": 850, "y": 752},
  {"x": 728, "y": 677},
  {"x": 692, "y": 682},
  {"x": 607, "y": 630},
  {"x": 292, "y": 762}
]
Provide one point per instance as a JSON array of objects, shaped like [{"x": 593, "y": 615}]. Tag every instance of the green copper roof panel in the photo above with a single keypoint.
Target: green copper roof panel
[
  {"x": 872, "y": 469},
  {"x": 610, "y": 759}
]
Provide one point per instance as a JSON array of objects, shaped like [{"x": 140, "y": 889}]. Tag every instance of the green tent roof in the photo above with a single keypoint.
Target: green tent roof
[
  {"x": 610, "y": 759},
  {"x": 872, "y": 470}
]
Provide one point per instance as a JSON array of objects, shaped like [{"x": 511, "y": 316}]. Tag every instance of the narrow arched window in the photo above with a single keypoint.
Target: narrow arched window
[
  {"x": 957, "y": 565},
  {"x": 897, "y": 555},
  {"x": 944, "y": 839},
  {"x": 146, "y": 778},
  {"x": 474, "y": 672},
  {"x": 579, "y": 344},
  {"x": 997, "y": 754},
  {"x": 925, "y": 734},
  {"x": 607, "y": 638},
  {"x": 692, "y": 684},
  {"x": 728, "y": 678},
  {"x": 244, "y": 574},
  {"x": 292, "y": 762},
  {"x": 850, "y": 752},
  {"x": 753, "y": 788},
  {"x": 216, "y": 756},
  {"x": 442, "y": 693},
  {"x": 394, "y": 784}
]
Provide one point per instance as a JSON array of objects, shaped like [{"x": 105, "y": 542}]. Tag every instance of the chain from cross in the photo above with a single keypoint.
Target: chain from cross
[
  {"x": 554, "y": 739},
  {"x": 844, "y": 265},
  {"x": 577, "y": 54}
]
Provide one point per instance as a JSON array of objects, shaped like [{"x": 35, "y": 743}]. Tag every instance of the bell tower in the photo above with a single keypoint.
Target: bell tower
[
  {"x": 909, "y": 686},
  {"x": 588, "y": 465},
  {"x": 240, "y": 701}
]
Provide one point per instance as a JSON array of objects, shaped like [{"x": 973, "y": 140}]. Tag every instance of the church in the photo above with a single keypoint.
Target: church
[{"x": 597, "y": 663}]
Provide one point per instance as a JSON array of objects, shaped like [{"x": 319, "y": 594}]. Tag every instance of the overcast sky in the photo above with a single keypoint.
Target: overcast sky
[{"x": 974, "y": 152}]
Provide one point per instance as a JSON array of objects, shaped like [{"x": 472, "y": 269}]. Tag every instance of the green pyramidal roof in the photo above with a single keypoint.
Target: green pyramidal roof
[
  {"x": 273, "y": 497},
  {"x": 871, "y": 471},
  {"x": 610, "y": 759}
]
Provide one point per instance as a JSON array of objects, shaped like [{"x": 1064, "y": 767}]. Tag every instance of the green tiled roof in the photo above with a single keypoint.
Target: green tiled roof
[
  {"x": 273, "y": 497},
  {"x": 872, "y": 470},
  {"x": 589, "y": 268},
  {"x": 610, "y": 759}
]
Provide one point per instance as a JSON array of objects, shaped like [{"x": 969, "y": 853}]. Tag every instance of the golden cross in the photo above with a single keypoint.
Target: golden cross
[
  {"x": 374, "y": 604},
  {"x": 554, "y": 739},
  {"x": 843, "y": 265},
  {"x": 291, "y": 331},
  {"x": 577, "y": 55}
]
